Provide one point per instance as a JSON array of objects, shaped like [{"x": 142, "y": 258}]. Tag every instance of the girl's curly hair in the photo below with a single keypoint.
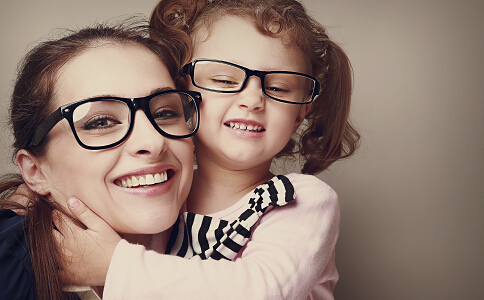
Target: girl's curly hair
[{"x": 327, "y": 134}]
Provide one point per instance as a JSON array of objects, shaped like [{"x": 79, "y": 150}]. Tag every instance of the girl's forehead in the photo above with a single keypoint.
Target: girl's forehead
[{"x": 237, "y": 40}]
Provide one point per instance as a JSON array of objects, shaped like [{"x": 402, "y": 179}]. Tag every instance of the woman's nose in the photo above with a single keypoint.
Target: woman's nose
[
  {"x": 144, "y": 139},
  {"x": 251, "y": 97}
]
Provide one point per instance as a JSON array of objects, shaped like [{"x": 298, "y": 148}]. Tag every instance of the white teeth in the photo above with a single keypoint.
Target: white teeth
[
  {"x": 148, "y": 179},
  {"x": 157, "y": 178},
  {"x": 245, "y": 127}
]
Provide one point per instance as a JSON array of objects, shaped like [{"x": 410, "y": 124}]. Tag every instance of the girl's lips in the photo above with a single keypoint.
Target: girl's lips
[{"x": 245, "y": 125}]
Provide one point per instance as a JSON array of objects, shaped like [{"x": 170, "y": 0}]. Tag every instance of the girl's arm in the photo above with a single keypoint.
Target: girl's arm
[{"x": 289, "y": 253}]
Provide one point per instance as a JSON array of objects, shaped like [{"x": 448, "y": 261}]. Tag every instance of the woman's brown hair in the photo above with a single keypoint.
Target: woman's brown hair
[
  {"x": 32, "y": 101},
  {"x": 327, "y": 135}
]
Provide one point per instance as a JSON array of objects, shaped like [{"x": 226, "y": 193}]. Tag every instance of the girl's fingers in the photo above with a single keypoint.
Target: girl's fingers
[{"x": 80, "y": 211}]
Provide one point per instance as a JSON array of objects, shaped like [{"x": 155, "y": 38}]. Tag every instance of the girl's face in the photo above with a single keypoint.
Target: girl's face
[
  {"x": 93, "y": 176},
  {"x": 236, "y": 40}
]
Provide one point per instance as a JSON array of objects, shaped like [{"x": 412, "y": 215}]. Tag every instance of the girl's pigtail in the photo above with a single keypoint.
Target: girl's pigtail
[{"x": 329, "y": 135}]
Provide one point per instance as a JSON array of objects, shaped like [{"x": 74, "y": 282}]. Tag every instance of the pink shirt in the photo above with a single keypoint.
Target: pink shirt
[{"x": 290, "y": 255}]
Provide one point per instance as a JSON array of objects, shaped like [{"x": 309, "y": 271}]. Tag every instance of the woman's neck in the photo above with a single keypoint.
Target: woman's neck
[{"x": 216, "y": 188}]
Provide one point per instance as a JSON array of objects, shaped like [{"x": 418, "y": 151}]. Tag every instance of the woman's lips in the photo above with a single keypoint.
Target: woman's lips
[{"x": 143, "y": 180}]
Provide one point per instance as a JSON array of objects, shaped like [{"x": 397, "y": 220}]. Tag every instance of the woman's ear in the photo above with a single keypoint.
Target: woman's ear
[
  {"x": 31, "y": 171},
  {"x": 303, "y": 111}
]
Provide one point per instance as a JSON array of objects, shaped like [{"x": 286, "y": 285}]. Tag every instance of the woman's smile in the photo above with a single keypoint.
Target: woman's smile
[
  {"x": 142, "y": 180},
  {"x": 140, "y": 185}
]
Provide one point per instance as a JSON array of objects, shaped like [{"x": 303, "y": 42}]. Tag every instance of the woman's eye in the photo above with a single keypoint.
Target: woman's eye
[
  {"x": 166, "y": 114},
  {"x": 100, "y": 122}
]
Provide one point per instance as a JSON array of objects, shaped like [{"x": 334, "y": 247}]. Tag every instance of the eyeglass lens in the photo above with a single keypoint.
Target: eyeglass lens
[
  {"x": 106, "y": 121},
  {"x": 223, "y": 77}
]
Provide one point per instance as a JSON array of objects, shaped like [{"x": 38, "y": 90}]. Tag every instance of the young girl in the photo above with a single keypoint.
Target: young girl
[
  {"x": 89, "y": 112},
  {"x": 263, "y": 68}
]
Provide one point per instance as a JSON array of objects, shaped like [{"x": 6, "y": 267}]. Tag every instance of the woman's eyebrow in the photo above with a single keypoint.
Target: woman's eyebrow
[
  {"x": 157, "y": 90},
  {"x": 153, "y": 91}
]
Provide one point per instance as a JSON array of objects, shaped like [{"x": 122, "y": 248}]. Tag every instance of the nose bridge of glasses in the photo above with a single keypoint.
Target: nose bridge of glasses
[
  {"x": 250, "y": 73},
  {"x": 143, "y": 120},
  {"x": 142, "y": 103},
  {"x": 253, "y": 73}
]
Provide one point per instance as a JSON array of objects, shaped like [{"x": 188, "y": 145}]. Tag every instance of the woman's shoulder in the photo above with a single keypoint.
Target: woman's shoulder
[
  {"x": 11, "y": 226},
  {"x": 16, "y": 272}
]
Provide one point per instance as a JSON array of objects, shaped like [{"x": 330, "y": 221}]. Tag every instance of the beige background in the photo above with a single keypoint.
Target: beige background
[{"x": 412, "y": 199}]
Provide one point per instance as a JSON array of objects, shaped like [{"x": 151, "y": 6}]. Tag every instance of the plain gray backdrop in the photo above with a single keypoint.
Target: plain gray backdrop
[{"x": 412, "y": 198}]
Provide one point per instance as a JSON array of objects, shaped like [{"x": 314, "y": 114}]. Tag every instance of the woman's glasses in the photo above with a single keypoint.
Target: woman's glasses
[
  {"x": 225, "y": 77},
  {"x": 105, "y": 122}
]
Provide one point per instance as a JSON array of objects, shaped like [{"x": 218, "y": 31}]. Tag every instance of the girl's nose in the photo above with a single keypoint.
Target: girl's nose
[
  {"x": 251, "y": 97},
  {"x": 144, "y": 139}
]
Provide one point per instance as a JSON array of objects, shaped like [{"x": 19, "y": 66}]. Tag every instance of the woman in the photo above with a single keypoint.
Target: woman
[{"x": 94, "y": 113}]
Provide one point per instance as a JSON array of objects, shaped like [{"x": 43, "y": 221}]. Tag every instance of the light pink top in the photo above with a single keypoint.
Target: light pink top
[{"x": 290, "y": 255}]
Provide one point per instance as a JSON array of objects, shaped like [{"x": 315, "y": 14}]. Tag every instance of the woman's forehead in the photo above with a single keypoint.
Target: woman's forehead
[{"x": 124, "y": 70}]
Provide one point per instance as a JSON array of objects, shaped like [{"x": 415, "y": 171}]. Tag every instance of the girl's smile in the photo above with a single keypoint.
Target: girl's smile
[{"x": 245, "y": 129}]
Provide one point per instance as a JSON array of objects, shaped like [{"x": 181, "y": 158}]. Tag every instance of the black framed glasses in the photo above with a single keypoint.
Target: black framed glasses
[
  {"x": 105, "y": 122},
  {"x": 225, "y": 77}
]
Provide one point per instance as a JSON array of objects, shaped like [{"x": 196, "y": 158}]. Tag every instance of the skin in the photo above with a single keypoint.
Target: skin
[
  {"x": 69, "y": 170},
  {"x": 232, "y": 162}
]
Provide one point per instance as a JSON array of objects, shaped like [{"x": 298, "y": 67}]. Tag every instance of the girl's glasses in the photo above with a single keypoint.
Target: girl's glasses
[
  {"x": 225, "y": 77},
  {"x": 105, "y": 122}
]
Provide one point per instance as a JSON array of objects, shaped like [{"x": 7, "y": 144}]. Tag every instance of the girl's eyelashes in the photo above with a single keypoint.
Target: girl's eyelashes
[
  {"x": 277, "y": 89},
  {"x": 225, "y": 82}
]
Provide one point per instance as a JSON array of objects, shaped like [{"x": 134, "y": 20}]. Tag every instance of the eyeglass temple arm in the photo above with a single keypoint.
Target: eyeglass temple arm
[
  {"x": 186, "y": 69},
  {"x": 45, "y": 127}
]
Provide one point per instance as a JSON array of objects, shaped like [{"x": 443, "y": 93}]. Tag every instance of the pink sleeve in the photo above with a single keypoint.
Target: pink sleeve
[{"x": 289, "y": 256}]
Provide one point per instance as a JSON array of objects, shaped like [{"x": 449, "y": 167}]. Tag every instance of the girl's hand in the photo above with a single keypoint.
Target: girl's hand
[{"x": 86, "y": 252}]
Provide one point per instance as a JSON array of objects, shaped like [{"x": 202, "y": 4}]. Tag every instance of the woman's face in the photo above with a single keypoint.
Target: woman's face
[{"x": 128, "y": 71}]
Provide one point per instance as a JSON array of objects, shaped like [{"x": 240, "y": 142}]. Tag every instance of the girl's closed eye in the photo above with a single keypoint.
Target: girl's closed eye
[
  {"x": 278, "y": 89},
  {"x": 224, "y": 82}
]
